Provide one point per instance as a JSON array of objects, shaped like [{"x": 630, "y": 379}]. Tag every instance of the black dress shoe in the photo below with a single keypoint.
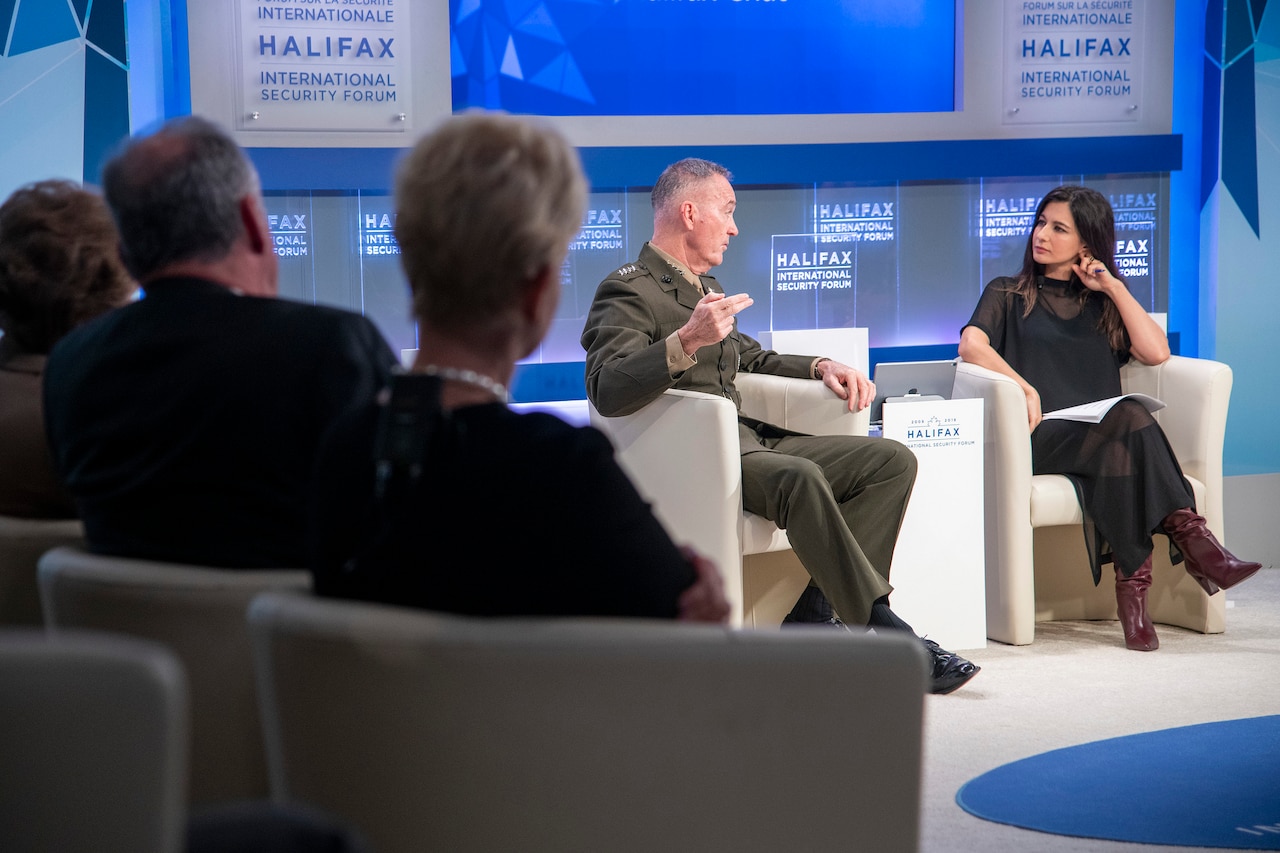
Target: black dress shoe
[
  {"x": 950, "y": 671},
  {"x": 832, "y": 621}
]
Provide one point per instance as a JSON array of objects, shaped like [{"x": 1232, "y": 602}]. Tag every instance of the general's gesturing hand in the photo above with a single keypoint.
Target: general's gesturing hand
[{"x": 712, "y": 320}]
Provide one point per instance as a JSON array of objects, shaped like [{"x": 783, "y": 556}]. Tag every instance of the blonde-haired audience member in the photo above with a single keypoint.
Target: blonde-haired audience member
[{"x": 536, "y": 515}]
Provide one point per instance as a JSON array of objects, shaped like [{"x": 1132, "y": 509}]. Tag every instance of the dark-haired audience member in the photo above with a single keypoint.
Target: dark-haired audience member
[
  {"x": 185, "y": 425},
  {"x": 443, "y": 497},
  {"x": 59, "y": 266}
]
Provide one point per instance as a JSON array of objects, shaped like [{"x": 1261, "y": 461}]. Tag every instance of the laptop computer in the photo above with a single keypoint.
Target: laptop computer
[{"x": 927, "y": 380}]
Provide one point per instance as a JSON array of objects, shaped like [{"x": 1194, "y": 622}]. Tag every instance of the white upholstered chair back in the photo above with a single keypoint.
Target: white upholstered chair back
[
  {"x": 93, "y": 744},
  {"x": 435, "y": 732},
  {"x": 199, "y": 613},
  {"x": 22, "y": 542}
]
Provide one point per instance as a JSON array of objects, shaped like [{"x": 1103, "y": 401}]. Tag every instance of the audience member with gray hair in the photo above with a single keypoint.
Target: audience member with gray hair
[
  {"x": 185, "y": 425},
  {"x": 59, "y": 266},
  {"x": 548, "y": 523},
  {"x": 181, "y": 196}
]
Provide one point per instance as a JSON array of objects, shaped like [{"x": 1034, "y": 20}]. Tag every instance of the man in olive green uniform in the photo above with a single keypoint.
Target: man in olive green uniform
[{"x": 662, "y": 322}]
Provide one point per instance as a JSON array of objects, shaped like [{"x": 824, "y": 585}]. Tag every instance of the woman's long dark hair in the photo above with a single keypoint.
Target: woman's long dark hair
[{"x": 1095, "y": 223}]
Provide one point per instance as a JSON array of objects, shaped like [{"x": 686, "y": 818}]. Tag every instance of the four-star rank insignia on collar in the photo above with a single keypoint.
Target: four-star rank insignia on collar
[{"x": 628, "y": 270}]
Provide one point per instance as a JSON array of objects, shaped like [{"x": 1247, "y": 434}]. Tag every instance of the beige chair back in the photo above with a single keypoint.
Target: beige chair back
[
  {"x": 22, "y": 541},
  {"x": 93, "y": 744},
  {"x": 199, "y": 613},
  {"x": 434, "y": 732}
]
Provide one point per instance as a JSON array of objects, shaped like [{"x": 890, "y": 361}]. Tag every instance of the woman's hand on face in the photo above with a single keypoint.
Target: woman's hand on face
[{"x": 1092, "y": 273}]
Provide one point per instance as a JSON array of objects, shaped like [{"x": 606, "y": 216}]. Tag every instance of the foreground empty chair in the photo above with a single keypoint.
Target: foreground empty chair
[
  {"x": 22, "y": 541},
  {"x": 93, "y": 751},
  {"x": 434, "y": 732},
  {"x": 200, "y": 614}
]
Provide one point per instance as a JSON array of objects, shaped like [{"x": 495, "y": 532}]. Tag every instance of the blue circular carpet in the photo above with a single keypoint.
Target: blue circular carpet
[{"x": 1209, "y": 785}]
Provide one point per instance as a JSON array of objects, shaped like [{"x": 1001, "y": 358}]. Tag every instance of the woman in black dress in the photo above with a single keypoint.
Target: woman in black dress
[{"x": 1062, "y": 328}]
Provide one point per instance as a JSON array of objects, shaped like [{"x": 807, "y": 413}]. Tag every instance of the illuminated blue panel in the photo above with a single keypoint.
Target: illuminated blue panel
[
  {"x": 701, "y": 57},
  {"x": 41, "y": 23},
  {"x": 6, "y": 16},
  {"x": 107, "y": 28},
  {"x": 106, "y": 110},
  {"x": 372, "y": 168},
  {"x": 1239, "y": 29},
  {"x": 81, "y": 8}
]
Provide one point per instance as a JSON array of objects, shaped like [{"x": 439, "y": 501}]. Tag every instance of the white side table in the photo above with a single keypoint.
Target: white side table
[{"x": 939, "y": 565}]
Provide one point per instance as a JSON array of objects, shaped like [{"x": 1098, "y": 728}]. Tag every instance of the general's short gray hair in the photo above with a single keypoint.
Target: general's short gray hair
[
  {"x": 175, "y": 194},
  {"x": 676, "y": 179},
  {"x": 484, "y": 202}
]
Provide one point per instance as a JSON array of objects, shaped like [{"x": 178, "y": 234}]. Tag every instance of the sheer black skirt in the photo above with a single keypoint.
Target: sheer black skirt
[{"x": 1126, "y": 477}]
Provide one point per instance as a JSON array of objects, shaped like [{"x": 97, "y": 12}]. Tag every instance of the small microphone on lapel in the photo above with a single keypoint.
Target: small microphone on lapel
[{"x": 666, "y": 279}]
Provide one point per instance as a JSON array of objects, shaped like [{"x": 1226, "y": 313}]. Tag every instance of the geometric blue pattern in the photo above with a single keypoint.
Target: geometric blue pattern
[
  {"x": 518, "y": 43},
  {"x": 6, "y": 15},
  {"x": 106, "y": 107},
  {"x": 99, "y": 27},
  {"x": 40, "y": 24},
  {"x": 1229, "y": 114},
  {"x": 105, "y": 30}
]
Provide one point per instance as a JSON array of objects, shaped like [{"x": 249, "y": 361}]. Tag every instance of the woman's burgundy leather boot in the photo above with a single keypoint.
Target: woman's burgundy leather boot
[
  {"x": 1131, "y": 605},
  {"x": 1212, "y": 565}
]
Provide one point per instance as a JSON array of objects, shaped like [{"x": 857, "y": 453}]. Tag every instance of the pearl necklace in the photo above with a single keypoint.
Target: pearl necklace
[{"x": 468, "y": 377}]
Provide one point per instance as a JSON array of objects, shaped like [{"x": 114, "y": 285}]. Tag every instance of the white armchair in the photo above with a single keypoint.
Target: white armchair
[
  {"x": 681, "y": 451},
  {"x": 1037, "y": 564}
]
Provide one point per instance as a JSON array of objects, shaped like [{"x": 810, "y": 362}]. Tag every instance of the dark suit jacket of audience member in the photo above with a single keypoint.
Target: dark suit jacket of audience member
[{"x": 185, "y": 425}]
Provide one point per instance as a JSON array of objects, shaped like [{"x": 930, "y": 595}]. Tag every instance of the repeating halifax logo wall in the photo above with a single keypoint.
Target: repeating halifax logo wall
[
  {"x": 906, "y": 261},
  {"x": 290, "y": 220}
]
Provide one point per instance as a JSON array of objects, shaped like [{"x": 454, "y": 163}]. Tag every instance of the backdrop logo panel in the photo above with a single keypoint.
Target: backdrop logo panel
[
  {"x": 1073, "y": 60},
  {"x": 600, "y": 246},
  {"x": 384, "y": 293},
  {"x": 1005, "y": 214},
  {"x": 810, "y": 280},
  {"x": 291, "y": 220},
  {"x": 854, "y": 222},
  {"x": 323, "y": 65}
]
